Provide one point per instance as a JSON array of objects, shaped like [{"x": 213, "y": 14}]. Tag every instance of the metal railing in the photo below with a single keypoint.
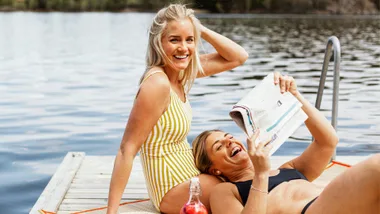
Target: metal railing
[{"x": 332, "y": 42}]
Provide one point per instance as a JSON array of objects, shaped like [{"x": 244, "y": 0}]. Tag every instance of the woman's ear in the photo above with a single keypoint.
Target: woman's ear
[{"x": 215, "y": 172}]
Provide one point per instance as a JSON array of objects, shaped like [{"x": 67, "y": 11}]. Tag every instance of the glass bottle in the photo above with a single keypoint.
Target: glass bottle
[{"x": 194, "y": 205}]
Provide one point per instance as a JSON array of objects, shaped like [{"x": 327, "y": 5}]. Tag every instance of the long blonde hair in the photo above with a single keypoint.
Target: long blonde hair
[{"x": 156, "y": 56}]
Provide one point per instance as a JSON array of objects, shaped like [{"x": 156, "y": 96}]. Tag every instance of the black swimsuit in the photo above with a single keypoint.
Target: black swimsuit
[{"x": 284, "y": 175}]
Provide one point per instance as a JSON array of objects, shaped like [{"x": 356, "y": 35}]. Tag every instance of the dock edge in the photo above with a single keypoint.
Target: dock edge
[{"x": 59, "y": 184}]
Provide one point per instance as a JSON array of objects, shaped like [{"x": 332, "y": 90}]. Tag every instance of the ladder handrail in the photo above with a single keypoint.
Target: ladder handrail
[{"x": 333, "y": 41}]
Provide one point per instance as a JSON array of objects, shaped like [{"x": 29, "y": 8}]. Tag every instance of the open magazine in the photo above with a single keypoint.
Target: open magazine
[{"x": 276, "y": 115}]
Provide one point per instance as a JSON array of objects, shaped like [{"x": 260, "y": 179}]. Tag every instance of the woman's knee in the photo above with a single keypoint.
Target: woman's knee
[
  {"x": 375, "y": 161},
  {"x": 373, "y": 164}
]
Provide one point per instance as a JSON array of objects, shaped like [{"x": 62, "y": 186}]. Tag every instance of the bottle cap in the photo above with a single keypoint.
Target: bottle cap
[
  {"x": 194, "y": 180},
  {"x": 195, "y": 185}
]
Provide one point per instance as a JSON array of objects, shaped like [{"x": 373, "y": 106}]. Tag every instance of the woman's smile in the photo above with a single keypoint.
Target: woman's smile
[{"x": 181, "y": 57}]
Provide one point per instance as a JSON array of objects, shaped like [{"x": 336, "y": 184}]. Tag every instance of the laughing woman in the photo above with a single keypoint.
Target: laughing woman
[
  {"x": 161, "y": 115},
  {"x": 255, "y": 189}
]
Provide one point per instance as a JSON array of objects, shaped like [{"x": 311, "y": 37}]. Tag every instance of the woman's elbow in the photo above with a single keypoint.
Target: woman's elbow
[
  {"x": 128, "y": 150},
  {"x": 335, "y": 140},
  {"x": 243, "y": 57}
]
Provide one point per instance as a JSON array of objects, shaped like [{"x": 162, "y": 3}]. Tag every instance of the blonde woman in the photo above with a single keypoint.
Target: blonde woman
[
  {"x": 254, "y": 188},
  {"x": 161, "y": 115}
]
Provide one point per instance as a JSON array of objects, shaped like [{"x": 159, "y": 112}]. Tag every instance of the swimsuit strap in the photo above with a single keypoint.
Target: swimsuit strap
[
  {"x": 150, "y": 74},
  {"x": 146, "y": 77}
]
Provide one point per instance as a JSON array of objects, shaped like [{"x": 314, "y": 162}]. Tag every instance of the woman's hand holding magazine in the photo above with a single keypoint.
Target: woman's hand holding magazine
[
  {"x": 286, "y": 83},
  {"x": 259, "y": 154},
  {"x": 272, "y": 108}
]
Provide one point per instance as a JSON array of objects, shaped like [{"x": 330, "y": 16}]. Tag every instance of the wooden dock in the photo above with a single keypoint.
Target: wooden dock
[{"x": 81, "y": 182}]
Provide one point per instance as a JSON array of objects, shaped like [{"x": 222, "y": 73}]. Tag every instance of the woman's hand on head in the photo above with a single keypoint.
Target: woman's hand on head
[
  {"x": 198, "y": 24},
  {"x": 259, "y": 154},
  {"x": 287, "y": 83},
  {"x": 202, "y": 28}
]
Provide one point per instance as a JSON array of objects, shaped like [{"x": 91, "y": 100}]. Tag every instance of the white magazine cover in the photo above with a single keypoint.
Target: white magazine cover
[{"x": 276, "y": 115}]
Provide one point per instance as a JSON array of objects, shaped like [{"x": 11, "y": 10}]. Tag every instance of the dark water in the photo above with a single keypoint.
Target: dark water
[{"x": 67, "y": 83}]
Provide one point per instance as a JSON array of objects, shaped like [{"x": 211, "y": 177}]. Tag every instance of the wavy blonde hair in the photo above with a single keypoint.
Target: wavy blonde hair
[{"x": 156, "y": 56}]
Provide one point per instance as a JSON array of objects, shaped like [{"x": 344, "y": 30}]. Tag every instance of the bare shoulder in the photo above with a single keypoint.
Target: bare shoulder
[
  {"x": 224, "y": 189},
  {"x": 155, "y": 69},
  {"x": 156, "y": 75},
  {"x": 225, "y": 199},
  {"x": 156, "y": 83}
]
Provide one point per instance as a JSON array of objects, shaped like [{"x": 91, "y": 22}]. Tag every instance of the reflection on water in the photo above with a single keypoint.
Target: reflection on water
[{"x": 67, "y": 83}]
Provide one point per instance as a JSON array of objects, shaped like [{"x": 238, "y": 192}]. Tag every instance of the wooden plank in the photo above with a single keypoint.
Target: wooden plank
[
  {"x": 64, "y": 212},
  {"x": 53, "y": 194},
  {"x": 105, "y": 191},
  {"x": 84, "y": 206},
  {"x": 134, "y": 196},
  {"x": 352, "y": 160},
  {"x": 103, "y": 165},
  {"x": 93, "y": 171},
  {"x": 72, "y": 205},
  {"x": 100, "y": 176},
  {"x": 75, "y": 207},
  {"x": 89, "y": 201},
  {"x": 105, "y": 180},
  {"x": 84, "y": 201},
  {"x": 141, "y": 185},
  {"x": 78, "y": 207},
  {"x": 104, "y": 162}
]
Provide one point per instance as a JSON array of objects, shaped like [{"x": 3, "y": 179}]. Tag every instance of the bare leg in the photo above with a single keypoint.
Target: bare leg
[
  {"x": 178, "y": 196},
  {"x": 357, "y": 190}
]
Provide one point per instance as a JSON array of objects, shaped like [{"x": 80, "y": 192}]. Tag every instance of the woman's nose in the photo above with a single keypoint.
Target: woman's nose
[
  {"x": 182, "y": 46},
  {"x": 227, "y": 141}
]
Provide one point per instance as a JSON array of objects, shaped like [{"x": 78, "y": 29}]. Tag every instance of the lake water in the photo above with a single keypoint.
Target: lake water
[{"x": 68, "y": 80}]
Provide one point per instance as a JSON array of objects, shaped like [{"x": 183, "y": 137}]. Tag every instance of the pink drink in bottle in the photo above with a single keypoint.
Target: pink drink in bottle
[{"x": 194, "y": 205}]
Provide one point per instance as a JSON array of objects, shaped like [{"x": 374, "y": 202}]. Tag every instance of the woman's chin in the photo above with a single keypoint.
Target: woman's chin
[
  {"x": 241, "y": 158},
  {"x": 181, "y": 67}
]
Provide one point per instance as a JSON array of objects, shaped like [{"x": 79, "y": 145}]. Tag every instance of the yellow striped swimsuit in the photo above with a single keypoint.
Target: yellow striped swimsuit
[{"x": 166, "y": 155}]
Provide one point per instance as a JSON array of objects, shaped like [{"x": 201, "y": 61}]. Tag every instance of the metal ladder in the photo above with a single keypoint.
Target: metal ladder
[{"x": 332, "y": 42}]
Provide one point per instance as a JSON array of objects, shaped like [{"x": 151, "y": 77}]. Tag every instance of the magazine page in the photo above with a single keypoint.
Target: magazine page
[{"x": 277, "y": 115}]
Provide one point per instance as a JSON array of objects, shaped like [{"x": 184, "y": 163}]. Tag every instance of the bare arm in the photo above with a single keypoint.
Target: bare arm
[
  {"x": 228, "y": 54},
  {"x": 151, "y": 102},
  {"x": 315, "y": 158},
  {"x": 224, "y": 199},
  {"x": 257, "y": 200},
  {"x": 318, "y": 154},
  {"x": 258, "y": 194}
]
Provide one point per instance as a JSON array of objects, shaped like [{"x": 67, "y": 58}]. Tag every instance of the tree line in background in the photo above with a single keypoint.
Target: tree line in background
[{"x": 213, "y": 6}]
